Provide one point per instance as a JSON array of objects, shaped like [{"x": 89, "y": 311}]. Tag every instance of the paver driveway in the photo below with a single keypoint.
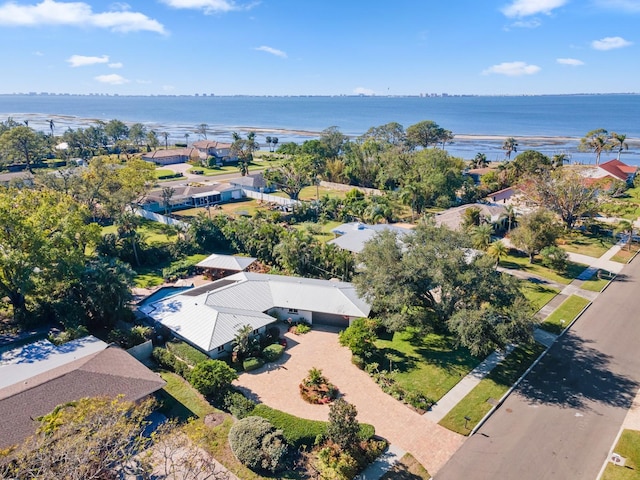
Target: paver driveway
[{"x": 277, "y": 386}]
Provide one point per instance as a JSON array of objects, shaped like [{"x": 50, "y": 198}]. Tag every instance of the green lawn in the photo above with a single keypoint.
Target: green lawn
[
  {"x": 539, "y": 295},
  {"x": 598, "y": 281},
  {"x": 626, "y": 254},
  {"x": 162, "y": 172},
  {"x": 152, "y": 232},
  {"x": 209, "y": 172},
  {"x": 180, "y": 400},
  {"x": 428, "y": 364},
  {"x": 628, "y": 447},
  {"x": 564, "y": 314},
  {"x": 517, "y": 261},
  {"x": 309, "y": 193},
  {"x": 320, "y": 231},
  {"x": 152, "y": 276},
  {"x": 244, "y": 206},
  {"x": 587, "y": 244},
  {"x": 475, "y": 405}
]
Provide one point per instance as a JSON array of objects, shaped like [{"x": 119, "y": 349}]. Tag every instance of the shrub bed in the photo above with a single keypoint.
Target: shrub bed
[
  {"x": 316, "y": 389},
  {"x": 167, "y": 360},
  {"x": 258, "y": 444},
  {"x": 169, "y": 176},
  {"x": 186, "y": 352},
  {"x": 272, "y": 352},
  {"x": 252, "y": 363},
  {"x": 297, "y": 431}
]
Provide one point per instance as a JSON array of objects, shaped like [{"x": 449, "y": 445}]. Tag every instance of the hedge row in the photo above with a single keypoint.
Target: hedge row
[
  {"x": 299, "y": 431},
  {"x": 170, "y": 175}
]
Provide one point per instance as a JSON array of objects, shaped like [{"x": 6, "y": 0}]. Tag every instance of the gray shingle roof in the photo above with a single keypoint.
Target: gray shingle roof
[{"x": 109, "y": 372}]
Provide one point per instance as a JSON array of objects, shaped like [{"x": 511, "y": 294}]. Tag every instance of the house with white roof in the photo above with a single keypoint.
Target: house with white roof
[
  {"x": 218, "y": 266},
  {"x": 209, "y": 317},
  {"x": 352, "y": 236}
]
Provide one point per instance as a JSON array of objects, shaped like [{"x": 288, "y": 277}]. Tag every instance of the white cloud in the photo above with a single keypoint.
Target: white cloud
[
  {"x": 112, "y": 79},
  {"x": 533, "y": 23},
  {"x": 272, "y": 51},
  {"x": 83, "y": 61},
  {"x": 116, "y": 65},
  {"x": 610, "y": 43},
  {"x": 524, "y": 8},
  {"x": 574, "y": 62},
  {"x": 79, "y": 14},
  {"x": 512, "y": 69},
  {"x": 363, "y": 91},
  {"x": 168, "y": 88},
  {"x": 144, "y": 82},
  {"x": 38, "y": 54},
  {"x": 632, "y": 6},
  {"x": 208, "y": 6}
]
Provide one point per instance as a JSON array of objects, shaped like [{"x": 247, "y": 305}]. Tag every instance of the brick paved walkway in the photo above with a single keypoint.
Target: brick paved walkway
[{"x": 277, "y": 386}]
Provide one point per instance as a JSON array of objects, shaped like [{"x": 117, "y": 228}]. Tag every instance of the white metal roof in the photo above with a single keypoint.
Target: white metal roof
[
  {"x": 354, "y": 235},
  {"x": 226, "y": 262},
  {"x": 212, "y": 318}
]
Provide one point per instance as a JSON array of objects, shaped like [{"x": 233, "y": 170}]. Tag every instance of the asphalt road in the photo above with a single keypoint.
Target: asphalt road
[{"x": 562, "y": 420}]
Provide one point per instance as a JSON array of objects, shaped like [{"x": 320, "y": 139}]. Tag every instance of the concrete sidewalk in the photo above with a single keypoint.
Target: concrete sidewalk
[
  {"x": 464, "y": 386},
  {"x": 382, "y": 464}
]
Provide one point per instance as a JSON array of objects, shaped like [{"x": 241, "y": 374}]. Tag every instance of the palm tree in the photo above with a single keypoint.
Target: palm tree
[
  {"x": 510, "y": 145},
  {"x": 52, "y": 126},
  {"x": 410, "y": 195},
  {"x": 268, "y": 140},
  {"x": 274, "y": 142},
  {"x": 186, "y": 138},
  {"x": 481, "y": 236},
  {"x": 479, "y": 161},
  {"x": 510, "y": 214},
  {"x": 167, "y": 193},
  {"x": 127, "y": 228},
  {"x": 625, "y": 227},
  {"x": 165, "y": 135},
  {"x": 497, "y": 250},
  {"x": 620, "y": 141}
]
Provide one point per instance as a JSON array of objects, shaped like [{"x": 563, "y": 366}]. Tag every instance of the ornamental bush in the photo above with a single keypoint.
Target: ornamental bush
[
  {"x": 212, "y": 377},
  {"x": 272, "y": 352},
  {"x": 238, "y": 405},
  {"x": 252, "y": 363},
  {"x": 257, "y": 444}
]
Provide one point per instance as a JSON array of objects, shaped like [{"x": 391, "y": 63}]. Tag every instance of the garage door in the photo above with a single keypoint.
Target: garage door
[{"x": 330, "y": 319}]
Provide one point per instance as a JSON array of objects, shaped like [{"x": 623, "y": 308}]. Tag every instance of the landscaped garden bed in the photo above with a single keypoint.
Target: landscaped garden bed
[{"x": 316, "y": 388}]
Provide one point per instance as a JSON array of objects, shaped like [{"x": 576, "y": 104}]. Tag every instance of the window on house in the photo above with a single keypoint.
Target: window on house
[
  {"x": 293, "y": 310},
  {"x": 221, "y": 348}
]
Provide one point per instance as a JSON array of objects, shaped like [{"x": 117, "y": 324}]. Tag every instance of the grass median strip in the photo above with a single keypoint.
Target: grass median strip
[
  {"x": 628, "y": 447},
  {"x": 479, "y": 401},
  {"x": 564, "y": 314}
]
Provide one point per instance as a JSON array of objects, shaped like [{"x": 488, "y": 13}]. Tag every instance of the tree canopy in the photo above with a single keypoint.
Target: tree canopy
[{"x": 427, "y": 277}]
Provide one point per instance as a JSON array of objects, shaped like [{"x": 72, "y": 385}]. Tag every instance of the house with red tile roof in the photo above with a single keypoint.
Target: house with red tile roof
[{"x": 613, "y": 170}]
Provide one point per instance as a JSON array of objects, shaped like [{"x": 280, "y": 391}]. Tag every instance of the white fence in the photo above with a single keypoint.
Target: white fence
[
  {"x": 265, "y": 197},
  {"x": 159, "y": 218}
]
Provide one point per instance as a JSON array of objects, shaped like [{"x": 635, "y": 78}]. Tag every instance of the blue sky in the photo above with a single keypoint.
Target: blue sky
[{"x": 320, "y": 47}]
